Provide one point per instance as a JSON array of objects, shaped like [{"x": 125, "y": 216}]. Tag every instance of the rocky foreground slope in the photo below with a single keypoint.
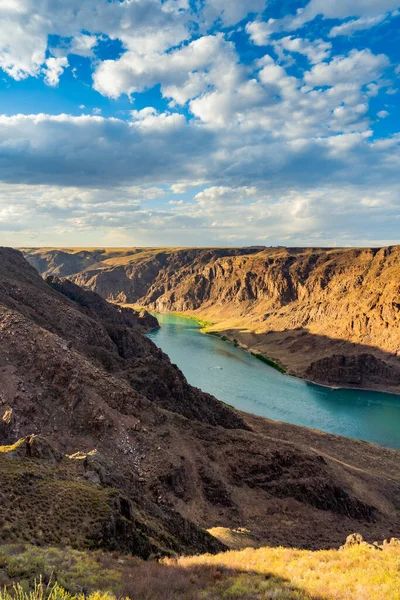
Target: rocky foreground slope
[
  {"x": 162, "y": 459},
  {"x": 329, "y": 315}
]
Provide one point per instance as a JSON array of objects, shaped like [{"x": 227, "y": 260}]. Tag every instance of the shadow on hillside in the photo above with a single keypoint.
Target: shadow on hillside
[
  {"x": 297, "y": 349},
  {"x": 171, "y": 581}
]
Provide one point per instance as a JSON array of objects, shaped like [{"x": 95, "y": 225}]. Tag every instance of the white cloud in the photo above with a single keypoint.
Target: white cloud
[
  {"x": 144, "y": 27},
  {"x": 22, "y": 42},
  {"x": 316, "y": 51},
  {"x": 264, "y": 203},
  {"x": 184, "y": 186},
  {"x": 54, "y": 69},
  {"x": 223, "y": 195},
  {"x": 350, "y": 27},
  {"x": 275, "y": 155},
  {"x": 25, "y": 25},
  {"x": 83, "y": 45},
  {"x": 382, "y": 114},
  {"x": 360, "y": 66},
  {"x": 231, "y": 11},
  {"x": 370, "y": 12},
  {"x": 260, "y": 31},
  {"x": 341, "y": 9},
  {"x": 183, "y": 73},
  {"x": 229, "y": 107}
]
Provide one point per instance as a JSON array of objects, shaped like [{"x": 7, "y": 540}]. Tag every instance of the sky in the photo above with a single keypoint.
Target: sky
[{"x": 199, "y": 122}]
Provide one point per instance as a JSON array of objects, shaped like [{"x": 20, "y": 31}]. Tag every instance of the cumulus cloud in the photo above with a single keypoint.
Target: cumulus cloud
[
  {"x": 370, "y": 12},
  {"x": 54, "y": 69},
  {"x": 230, "y": 12},
  {"x": 143, "y": 27},
  {"x": 341, "y": 9},
  {"x": 316, "y": 51},
  {"x": 361, "y": 66},
  {"x": 260, "y": 31},
  {"x": 183, "y": 73},
  {"x": 83, "y": 45},
  {"x": 235, "y": 150},
  {"x": 223, "y": 195},
  {"x": 25, "y": 26}
]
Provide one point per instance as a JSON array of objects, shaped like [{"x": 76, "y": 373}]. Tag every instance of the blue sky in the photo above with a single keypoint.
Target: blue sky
[{"x": 201, "y": 122}]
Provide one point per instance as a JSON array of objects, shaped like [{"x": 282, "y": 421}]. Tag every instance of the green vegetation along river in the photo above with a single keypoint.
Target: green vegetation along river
[{"x": 237, "y": 378}]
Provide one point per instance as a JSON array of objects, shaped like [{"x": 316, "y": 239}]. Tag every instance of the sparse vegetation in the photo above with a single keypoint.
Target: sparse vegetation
[
  {"x": 228, "y": 405},
  {"x": 203, "y": 324},
  {"x": 269, "y": 362},
  {"x": 46, "y": 503},
  {"x": 25, "y": 565},
  {"x": 355, "y": 573},
  {"x": 53, "y": 592}
]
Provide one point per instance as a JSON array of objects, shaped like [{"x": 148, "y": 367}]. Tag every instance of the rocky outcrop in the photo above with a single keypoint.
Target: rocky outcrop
[
  {"x": 357, "y": 370},
  {"x": 81, "y": 373},
  {"x": 57, "y": 499}
]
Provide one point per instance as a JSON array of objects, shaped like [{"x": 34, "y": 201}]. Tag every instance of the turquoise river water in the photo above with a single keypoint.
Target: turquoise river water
[{"x": 237, "y": 378}]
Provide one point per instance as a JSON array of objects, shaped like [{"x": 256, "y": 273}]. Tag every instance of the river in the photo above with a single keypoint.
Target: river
[{"x": 237, "y": 378}]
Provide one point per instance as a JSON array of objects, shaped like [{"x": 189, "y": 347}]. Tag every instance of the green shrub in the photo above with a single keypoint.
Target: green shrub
[{"x": 269, "y": 362}]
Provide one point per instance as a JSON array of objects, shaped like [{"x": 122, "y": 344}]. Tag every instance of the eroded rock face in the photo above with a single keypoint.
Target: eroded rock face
[{"x": 360, "y": 370}]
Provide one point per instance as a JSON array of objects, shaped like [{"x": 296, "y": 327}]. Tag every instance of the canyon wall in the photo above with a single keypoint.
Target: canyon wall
[{"x": 297, "y": 306}]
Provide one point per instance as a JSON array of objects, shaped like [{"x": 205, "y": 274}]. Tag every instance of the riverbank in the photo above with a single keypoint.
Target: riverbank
[
  {"x": 277, "y": 348},
  {"x": 236, "y": 378},
  {"x": 206, "y": 328}
]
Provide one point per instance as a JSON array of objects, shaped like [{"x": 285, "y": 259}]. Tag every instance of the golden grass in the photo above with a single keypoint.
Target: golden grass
[
  {"x": 7, "y": 416},
  {"x": 356, "y": 573},
  {"x": 7, "y": 449},
  {"x": 49, "y": 592},
  {"x": 235, "y": 539}
]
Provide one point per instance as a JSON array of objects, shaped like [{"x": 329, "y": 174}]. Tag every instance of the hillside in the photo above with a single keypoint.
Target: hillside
[
  {"x": 80, "y": 373},
  {"x": 329, "y": 315}
]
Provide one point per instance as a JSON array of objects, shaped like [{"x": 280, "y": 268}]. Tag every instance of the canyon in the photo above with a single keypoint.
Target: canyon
[
  {"x": 103, "y": 443},
  {"x": 328, "y": 315}
]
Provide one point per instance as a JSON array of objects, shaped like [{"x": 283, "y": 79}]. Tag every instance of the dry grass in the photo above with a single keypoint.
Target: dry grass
[
  {"x": 75, "y": 571},
  {"x": 49, "y": 592},
  {"x": 46, "y": 504},
  {"x": 357, "y": 573},
  {"x": 235, "y": 539}
]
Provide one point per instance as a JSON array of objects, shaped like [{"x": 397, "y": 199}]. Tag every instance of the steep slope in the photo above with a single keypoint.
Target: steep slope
[
  {"x": 304, "y": 308},
  {"x": 77, "y": 501},
  {"x": 80, "y": 372}
]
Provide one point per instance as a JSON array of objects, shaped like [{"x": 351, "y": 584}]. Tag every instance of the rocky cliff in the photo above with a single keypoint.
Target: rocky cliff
[
  {"x": 300, "y": 307},
  {"x": 163, "y": 460}
]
